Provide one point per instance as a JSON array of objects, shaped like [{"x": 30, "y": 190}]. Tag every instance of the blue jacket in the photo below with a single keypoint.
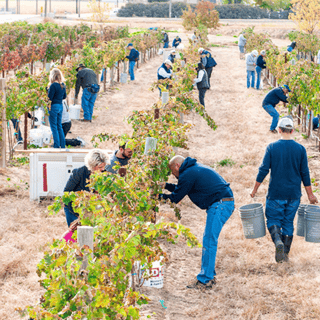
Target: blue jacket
[
  {"x": 288, "y": 162},
  {"x": 134, "y": 55},
  {"x": 261, "y": 63},
  {"x": 77, "y": 182},
  {"x": 160, "y": 77},
  {"x": 56, "y": 94},
  {"x": 202, "y": 184},
  {"x": 274, "y": 97},
  {"x": 171, "y": 57},
  {"x": 176, "y": 42},
  {"x": 207, "y": 60}
]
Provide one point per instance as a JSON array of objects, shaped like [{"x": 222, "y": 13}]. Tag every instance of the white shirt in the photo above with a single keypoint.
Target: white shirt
[
  {"x": 164, "y": 73},
  {"x": 200, "y": 76},
  {"x": 65, "y": 113},
  {"x": 318, "y": 57}
]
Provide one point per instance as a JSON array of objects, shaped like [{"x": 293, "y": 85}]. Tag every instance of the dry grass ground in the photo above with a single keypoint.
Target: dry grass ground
[{"x": 250, "y": 284}]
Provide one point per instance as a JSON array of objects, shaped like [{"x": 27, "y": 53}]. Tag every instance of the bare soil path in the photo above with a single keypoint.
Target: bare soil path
[{"x": 250, "y": 285}]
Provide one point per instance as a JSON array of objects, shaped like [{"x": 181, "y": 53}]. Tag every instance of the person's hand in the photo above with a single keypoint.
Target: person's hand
[
  {"x": 253, "y": 193},
  {"x": 162, "y": 184},
  {"x": 312, "y": 199}
]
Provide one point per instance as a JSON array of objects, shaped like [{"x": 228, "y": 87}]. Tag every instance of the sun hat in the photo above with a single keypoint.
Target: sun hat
[
  {"x": 285, "y": 123},
  {"x": 168, "y": 62},
  {"x": 263, "y": 52},
  {"x": 81, "y": 65},
  {"x": 285, "y": 86}
]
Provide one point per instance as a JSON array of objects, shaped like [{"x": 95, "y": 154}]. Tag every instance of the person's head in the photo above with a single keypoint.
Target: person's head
[
  {"x": 175, "y": 164},
  {"x": 263, "y": 53},
  {"x": 96, "y": 160},
  {"x": 130, "y": 46},
  {"x": 56, "y": 76},
  {"x": 200, "y": 50},
  {"x": 200, "y": 66},
  {"x": 254, "y": 53},
  {"x": 173, "y": 52},
  {"x": 168, "y": 64},
  {"x": 177, "y": 37},
  {"x": 80, "y": 67},
  {"x": 285, "y": 88},
  {"x": 126, "y": 149},
  {"x": 163, "y": 31},
  {"x": 286, "y": 126}
]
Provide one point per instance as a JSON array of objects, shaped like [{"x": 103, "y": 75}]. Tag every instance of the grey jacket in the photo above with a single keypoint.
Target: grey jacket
[
  {"x": 250, "y": 61},
  {"x": 85, "y": 78},
  {"x": 116, "y": 161},
  {"x": 242, "y": 41}
]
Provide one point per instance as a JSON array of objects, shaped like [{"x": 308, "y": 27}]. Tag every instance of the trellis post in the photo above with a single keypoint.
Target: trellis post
[
  {"x": 3, "y": 141},
  {"x": 85, "y": 238}
]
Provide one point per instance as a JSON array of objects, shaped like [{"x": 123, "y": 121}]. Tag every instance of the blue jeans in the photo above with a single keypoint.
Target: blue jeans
[
  {"x": 166, "y": 45},
  {"x": 274, "y": 114},
  {"x": 258, "y": 70},
  {"x": 241, "y": 48},
  {"x": 55, "y": 116},
  {"x": 250, "y": 74},
  {"x": 131, "y": 69},
  {"x": 69, "y": 216},
  {"x": 217, "y": 215},
  {"x": 88, "y": 99},
  {"x": 17, "y": 131},
  {"x": 281, "y": 213}
]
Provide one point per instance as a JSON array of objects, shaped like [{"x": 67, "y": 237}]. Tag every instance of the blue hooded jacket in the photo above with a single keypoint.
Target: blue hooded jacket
[
  {"x": 134, "y": 55},
  {"x": 176, "y": 42},
  {"x": 274, "y": 97},
  {"x": 202, "y": 184},
  {"x": 207, "y": 60}
]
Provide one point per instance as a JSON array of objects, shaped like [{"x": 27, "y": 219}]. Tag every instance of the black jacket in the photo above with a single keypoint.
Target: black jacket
[
  {"x": 77, "y": 182},
  {"x": 165, "y": 37},
  {"x": 85, "y": 78},
  {"x": 261, "y": 63}
]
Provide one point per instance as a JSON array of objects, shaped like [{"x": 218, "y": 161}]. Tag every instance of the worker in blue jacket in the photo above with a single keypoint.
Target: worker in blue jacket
[
  {"x": 165, "y": 71},
  {"x": 210, "y": 192},
  {"x": 172, "y": 55},
  {"x": 176, "y": 41},
  {"x": 165, "y": 39},
  {"x": 207, "y": 61},
  {"x": 133, "y": 57},
  {"x": 271, "y": 100}
]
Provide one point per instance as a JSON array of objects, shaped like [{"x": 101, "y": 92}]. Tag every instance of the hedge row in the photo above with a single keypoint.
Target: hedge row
[{"x": 229, "y": 11}]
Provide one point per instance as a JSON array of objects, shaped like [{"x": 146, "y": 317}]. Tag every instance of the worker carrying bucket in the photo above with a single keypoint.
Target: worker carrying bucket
[{"x": 288, "y": 162}]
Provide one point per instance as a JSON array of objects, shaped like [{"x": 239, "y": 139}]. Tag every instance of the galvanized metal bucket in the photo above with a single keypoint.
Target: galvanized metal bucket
[{"x": 312, "y": 223}]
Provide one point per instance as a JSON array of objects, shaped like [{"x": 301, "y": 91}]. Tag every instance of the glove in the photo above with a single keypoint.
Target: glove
[{"x": 35, "y": 119}]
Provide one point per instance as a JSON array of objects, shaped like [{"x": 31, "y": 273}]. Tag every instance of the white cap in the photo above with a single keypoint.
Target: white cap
[
  {"x": 255, "y": 53},
  {"x": 200, "y": 50},
  {"x": 285, "y": 123},
  {"x": 162, "y": 31},
  {"x": 168, "y": 62},
  {"x": 172, "y": 51},
  {"x": 263, "y": 52}
]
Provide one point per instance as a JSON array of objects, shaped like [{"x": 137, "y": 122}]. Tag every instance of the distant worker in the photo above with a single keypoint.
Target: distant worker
[
  {"x": 261, "y": 64},
  {"x": 176, "y": 41},
  {"x": 207, "y": 61},
  {"x": 121, "y": 156},
  {"x": 87, "y": 79},
  {"x": 315, "y": 122},
  {"x": 271, "y": 100},
  {"x": 202, "y": 82},
  {"x": 318, "y": 57},
  {"x": 172, "y": 55},
  {"x": 165, "y": 71},
  {"x": 16, "y": 127},
  {"x": 95, "y": 161},
  {"x": 251, "y": 62},
  {"x": 288, "y": 163},
  {"x": 165, "y": 39},
  {"x": 291, "y": 47},
  {"x": 194, "y": 38},
  {"x": 241, "y": 44},
  {"x": 133, "y": 57},
  {"x": 210, "y": 192}
]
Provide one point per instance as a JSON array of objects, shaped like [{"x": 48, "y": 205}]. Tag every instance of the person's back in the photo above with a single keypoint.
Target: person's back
[
  {"x": 57, "y": 92},
  {"x": 87, "y": 77},
  {"x": 250, "y": 62},
  {"x": 288, "y": 162},
  {"x": 274, "y": 97},
  {"x": 241, "y": 40}
]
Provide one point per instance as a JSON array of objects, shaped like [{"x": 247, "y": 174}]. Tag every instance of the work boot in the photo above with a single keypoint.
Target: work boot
[
  {"x": 275, "y": 233},
  {"x": 287, "y": 241}
]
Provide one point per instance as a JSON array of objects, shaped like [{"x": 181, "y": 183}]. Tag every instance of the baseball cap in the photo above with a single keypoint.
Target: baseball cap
[
  {"x": 285, "y": 86},
  {"x": 130, "y": 45},
  {"x": 285, "y": 123},
  {"x": 168, "y": 62},
  {"x": 172, "y": 51},
  {"x": 81, "y": 65},
  {"x": 200, "y": 50}
]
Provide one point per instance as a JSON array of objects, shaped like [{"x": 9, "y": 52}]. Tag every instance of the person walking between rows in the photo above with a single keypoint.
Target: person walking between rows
[
  {"x": 207, "y": 61},
  {"x": 56, "y": 93},
  {"x": 172, "y": 55},
  {"x": 271, "y": 100},
  {"x": 202, "y": 82},
  {"x": 165, "y": 71},
  {"x": 210, "y": 192},
  {"x": 261, "y": 64},
  {"x": 133, "y": 57},
  {"x": 288, "y": 163},
  {"x": 87, "y": 80},
  {"x": 176, "y": 41},
  {"x": 251, "y": 59},
  {"x": 165, "y": 39},
  {"x": 241, "y": 44}
]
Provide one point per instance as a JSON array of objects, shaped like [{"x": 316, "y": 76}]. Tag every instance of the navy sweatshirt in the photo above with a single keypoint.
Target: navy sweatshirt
[
  {"x": 274, "y": 97},
  {"x": 202, "y": 184},
  {"x": 56, "y": 94},
  {"x": 261, "y": 63},
  {"x": 288, "y": 162},
  {"x": 133, "y": 55}
]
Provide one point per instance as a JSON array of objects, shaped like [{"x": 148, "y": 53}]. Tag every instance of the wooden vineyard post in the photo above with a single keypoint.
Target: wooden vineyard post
[
  {"x": 85, "y": 238},
  {"x": 156, "y": 114},
  {"x": 104, "y": 79},
  {"x": 25, "y": 130},
  {"x": 274, "y": 81},
  {"x": 299, "y": 114},
  {"x": 285, "y": 58},
  {"x": 118, "y": 72},
  {"x": 3, "y": 141},
  {"x": 111, "y": 76},
  {"x": 309, "y": 124}
]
